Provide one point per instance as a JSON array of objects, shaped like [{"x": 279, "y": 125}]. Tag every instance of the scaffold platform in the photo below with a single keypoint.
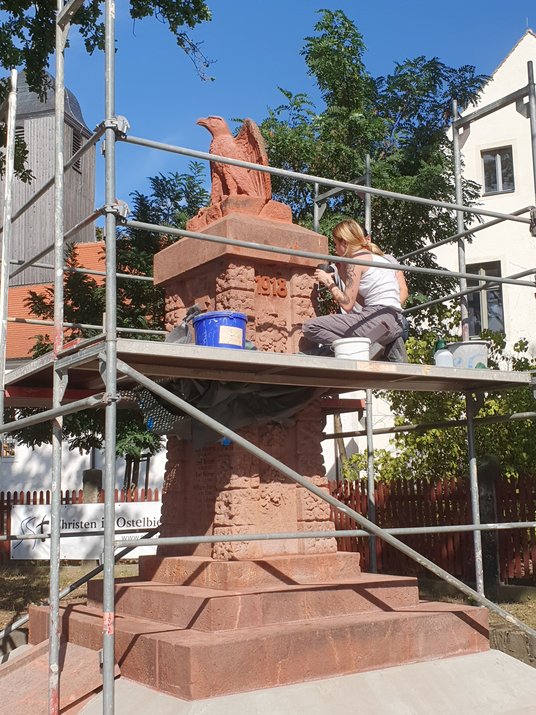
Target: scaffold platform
[{"x": 31, "y": 384}]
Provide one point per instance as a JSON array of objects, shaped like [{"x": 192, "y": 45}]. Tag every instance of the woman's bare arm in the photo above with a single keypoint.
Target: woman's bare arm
[
  {"x": 403, "y": 287},
  {"x": 345, "y": 298}
]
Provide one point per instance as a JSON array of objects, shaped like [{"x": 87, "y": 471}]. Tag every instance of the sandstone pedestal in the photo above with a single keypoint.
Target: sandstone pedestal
[
  {"x": 272, "y": 289},
  {"x": 224, "y": 490}
]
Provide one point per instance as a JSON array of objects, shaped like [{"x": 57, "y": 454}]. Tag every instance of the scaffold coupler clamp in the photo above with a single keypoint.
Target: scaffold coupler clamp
[
  {"x": 119, "y": 208},
  {"x": 532, "y": 225},
  {"x": 109, "y": 398},
  {"x": 477, "y": 401},
  {"x": 119, "y": 124}
]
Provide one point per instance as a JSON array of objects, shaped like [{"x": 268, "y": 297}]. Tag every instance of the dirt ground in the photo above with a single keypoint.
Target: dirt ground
[
  {"x": 26, "y": 582},
  {"x": 520, "y": 601}
]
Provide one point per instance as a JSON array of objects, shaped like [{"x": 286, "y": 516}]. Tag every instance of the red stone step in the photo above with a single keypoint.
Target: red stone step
[
  {"x": 194, "y": 664},
  {"x": 24, "y": 679},
  {"x": 215, "y": 610},
  {"x": 271, "y": 571}
]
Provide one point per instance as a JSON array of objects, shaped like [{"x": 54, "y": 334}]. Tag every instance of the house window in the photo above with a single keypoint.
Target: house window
[
  {"x": 485, "y": 306},
  {"x": 7, "y": 446},
  {"x": 498, "y": 170},
  {"x": 77, "y": 143}
]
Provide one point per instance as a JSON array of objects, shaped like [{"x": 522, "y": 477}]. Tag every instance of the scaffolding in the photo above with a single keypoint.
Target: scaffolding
[{"x": 103, "y": 359}]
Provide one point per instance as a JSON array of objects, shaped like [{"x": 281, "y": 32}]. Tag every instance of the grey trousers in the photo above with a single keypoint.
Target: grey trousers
[{"x": 381, "y": 324}]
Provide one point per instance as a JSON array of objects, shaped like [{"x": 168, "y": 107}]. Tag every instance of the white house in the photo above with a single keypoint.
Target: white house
[{"x": 497, "y": 154}]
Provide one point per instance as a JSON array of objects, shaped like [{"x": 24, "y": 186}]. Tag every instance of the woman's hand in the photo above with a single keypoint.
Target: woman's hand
[{"x": 324, "y": 277}]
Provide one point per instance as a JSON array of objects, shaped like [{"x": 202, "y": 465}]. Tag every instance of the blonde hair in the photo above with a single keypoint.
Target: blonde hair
[{"x": 351, "y": 232}]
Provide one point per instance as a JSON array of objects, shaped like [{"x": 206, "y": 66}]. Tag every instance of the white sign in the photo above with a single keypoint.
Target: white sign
[{"x": 34, "y": 520}]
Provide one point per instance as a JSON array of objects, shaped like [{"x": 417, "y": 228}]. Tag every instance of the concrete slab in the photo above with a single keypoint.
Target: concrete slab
[{"x": 489, "y": 683}]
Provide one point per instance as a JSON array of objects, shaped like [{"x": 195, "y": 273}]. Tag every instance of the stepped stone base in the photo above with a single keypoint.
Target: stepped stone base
[{"x": 202, "y": 628}]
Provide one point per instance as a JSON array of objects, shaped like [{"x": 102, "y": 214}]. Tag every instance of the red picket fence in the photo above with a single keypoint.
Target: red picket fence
[
  {"x": 405, "y": 503},
  {"x": 398, "y": 503},
  {"x": 75, "y": 496},
  {"x": 516, "y": 501}
]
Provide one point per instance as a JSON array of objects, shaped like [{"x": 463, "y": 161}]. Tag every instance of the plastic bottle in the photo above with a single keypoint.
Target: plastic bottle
[{"x": 442, "y": 355}]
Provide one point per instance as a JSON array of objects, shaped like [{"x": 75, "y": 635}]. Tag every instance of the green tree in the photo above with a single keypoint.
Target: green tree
[
  {"x": 173, "y": 199},
  {"x": 28, "y": 31},
  {"x": 399, "y": 120},
  {"x": 27, "y": 41},
  {"x": 437, "y": 452}
]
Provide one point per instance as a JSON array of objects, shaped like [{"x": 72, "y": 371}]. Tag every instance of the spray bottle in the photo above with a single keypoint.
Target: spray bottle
[{"x": 442, "y": 355}]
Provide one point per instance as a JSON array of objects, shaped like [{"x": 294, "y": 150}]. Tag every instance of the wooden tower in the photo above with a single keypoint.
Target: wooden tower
[{"x": 34, "y": 230}]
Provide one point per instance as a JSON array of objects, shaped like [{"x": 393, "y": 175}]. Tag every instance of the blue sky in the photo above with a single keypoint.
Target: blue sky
[{"x": 256, "y": 47}]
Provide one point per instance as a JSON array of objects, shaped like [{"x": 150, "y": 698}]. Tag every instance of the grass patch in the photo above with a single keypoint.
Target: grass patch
[
  {"x": 27, "y": 582},
  {"x": 519, "y": 601}
]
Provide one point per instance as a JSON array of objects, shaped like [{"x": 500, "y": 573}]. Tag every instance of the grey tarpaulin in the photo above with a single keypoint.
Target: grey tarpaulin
[{"x": 234, "y": 404}]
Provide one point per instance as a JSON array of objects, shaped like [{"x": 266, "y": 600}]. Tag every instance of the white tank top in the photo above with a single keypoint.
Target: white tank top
[
  {"x": 378, "y": 286},
  {"x": 391, "y": 293}
]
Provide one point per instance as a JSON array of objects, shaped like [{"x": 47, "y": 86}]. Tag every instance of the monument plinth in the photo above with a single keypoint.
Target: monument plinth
[{"x": 224, "y": 489}]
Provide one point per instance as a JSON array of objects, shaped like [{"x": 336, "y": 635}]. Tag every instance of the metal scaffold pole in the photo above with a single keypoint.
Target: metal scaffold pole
[
  {"x": 470, "y": 402},
  {"x": 316, "y": 209},
  {"x": 108, "y": 615},
  {"x": 459, "y": 220},
  {"x": 321, "y": 180},
  {"x": 471, "y": 409},
  {"x": 368, "y": 197},
  {"x": 371, "y": 486},
  {"x": 6, "y": 238},
  {"x": 532, "y": 116},
  {"x": 58, "y": 380}
]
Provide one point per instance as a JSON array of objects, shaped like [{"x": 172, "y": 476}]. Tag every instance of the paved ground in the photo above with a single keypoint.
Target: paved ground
[{"x": 489, "y": 683}]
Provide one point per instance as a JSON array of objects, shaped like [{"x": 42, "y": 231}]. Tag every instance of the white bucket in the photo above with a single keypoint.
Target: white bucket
[
  {"x": 470, "y": 353},
  {"x": 353, "y": 348}
]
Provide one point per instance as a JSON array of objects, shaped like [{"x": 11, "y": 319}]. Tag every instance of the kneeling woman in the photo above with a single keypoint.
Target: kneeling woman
[{"x": 376, "y": 289}]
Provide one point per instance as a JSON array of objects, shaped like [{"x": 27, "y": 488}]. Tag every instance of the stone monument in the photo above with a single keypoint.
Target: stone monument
[{"x": 223, "y": 489}]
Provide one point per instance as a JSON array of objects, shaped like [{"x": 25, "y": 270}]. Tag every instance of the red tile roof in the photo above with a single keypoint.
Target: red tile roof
[{"x": 21, "y": 337}]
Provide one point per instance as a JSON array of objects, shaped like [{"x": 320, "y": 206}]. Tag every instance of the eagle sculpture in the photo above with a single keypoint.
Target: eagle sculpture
[
  {"x": 236, "y": 189},
  {"x": 248, "y": 145}
]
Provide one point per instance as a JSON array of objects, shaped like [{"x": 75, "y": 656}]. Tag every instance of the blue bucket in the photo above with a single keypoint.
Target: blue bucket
[{"x": 221, "y": 329}]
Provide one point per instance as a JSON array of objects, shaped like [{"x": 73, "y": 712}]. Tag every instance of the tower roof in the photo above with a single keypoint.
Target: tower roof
[{"x": 29, "y": 103}]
